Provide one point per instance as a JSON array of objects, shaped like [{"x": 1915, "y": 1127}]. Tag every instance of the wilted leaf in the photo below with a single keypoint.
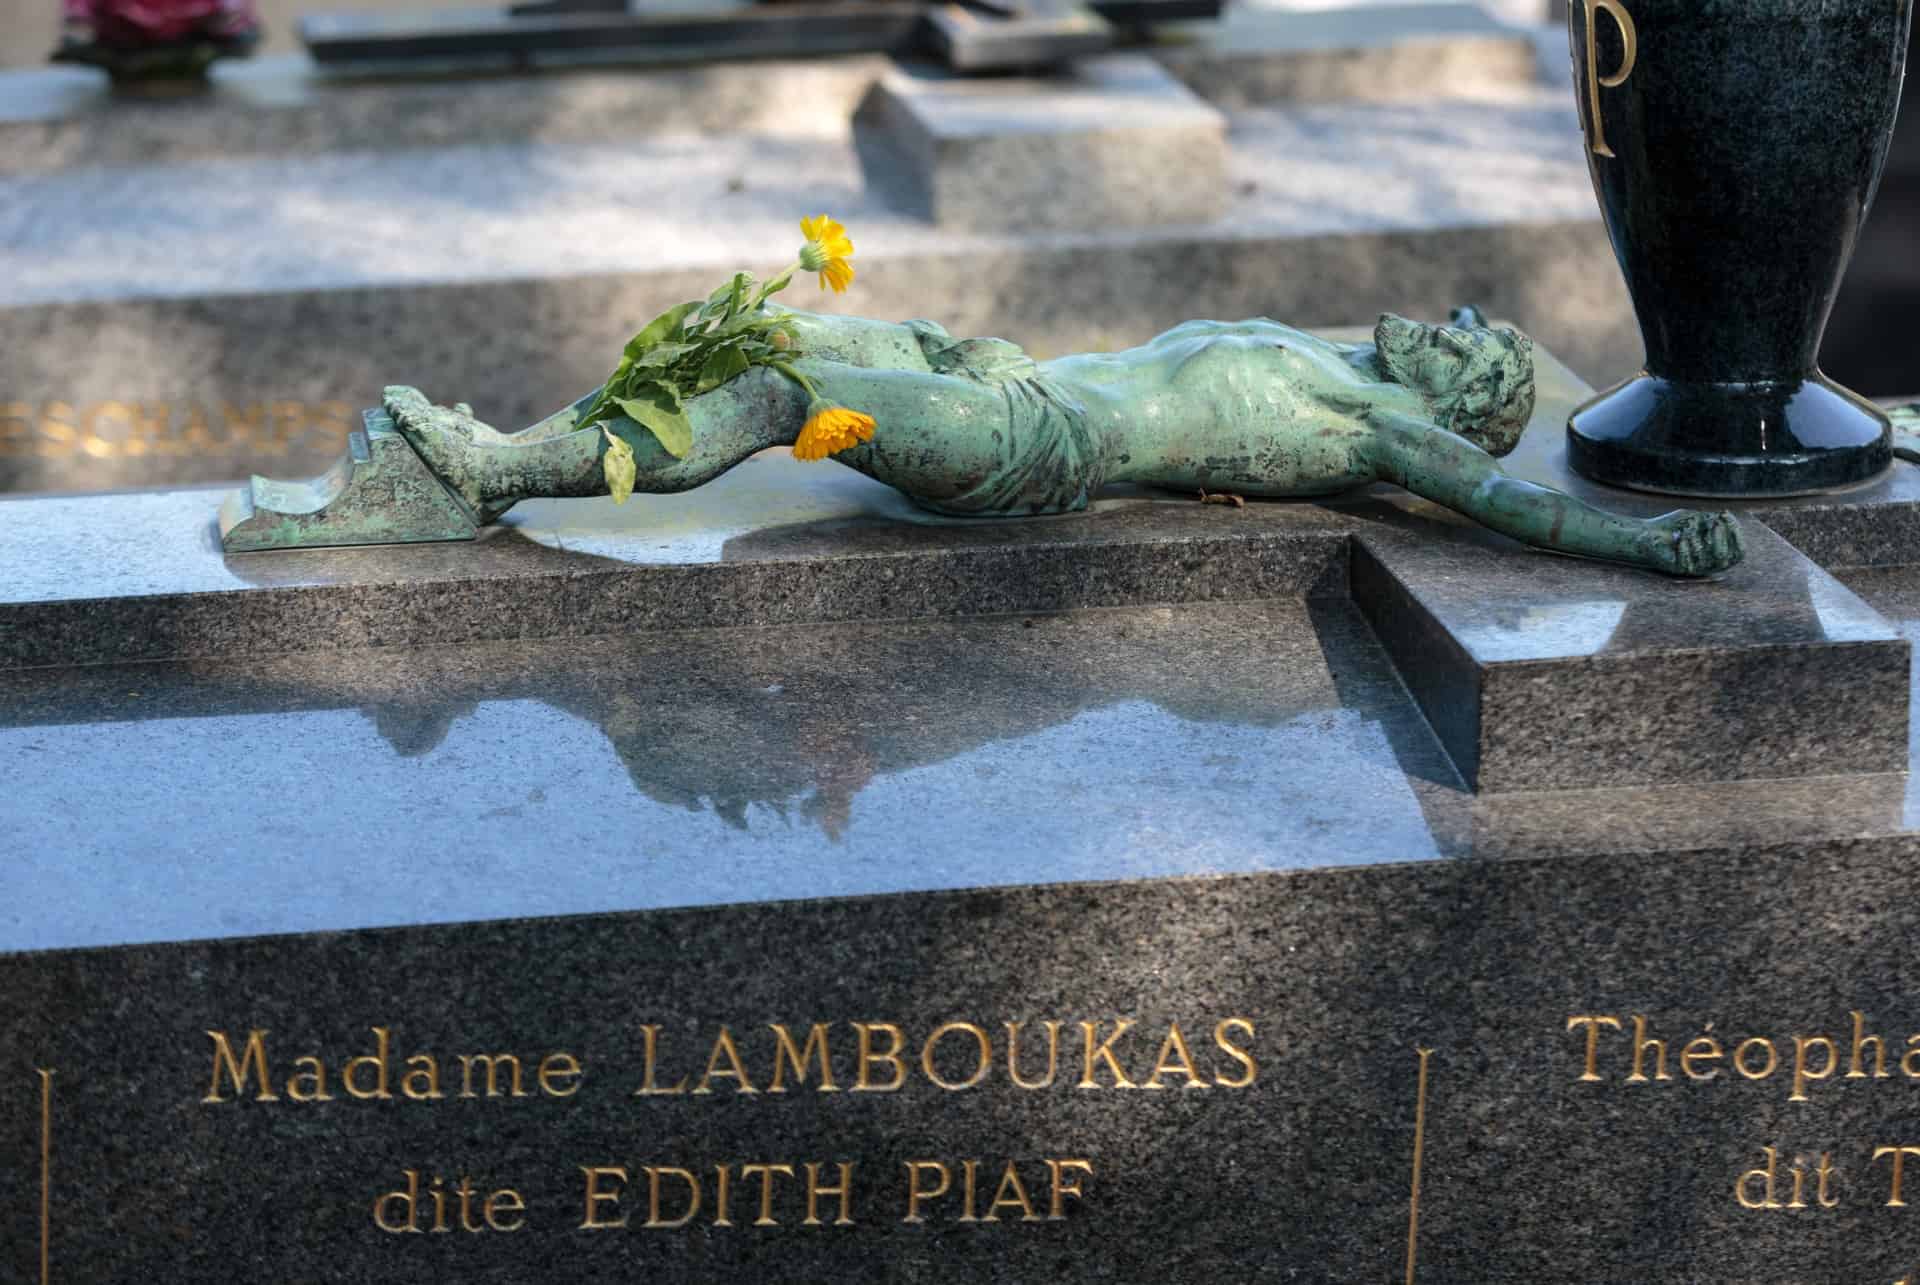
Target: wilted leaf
[
  {"x": 656, "y": 408},
  {"x": 618, "y": 465}
]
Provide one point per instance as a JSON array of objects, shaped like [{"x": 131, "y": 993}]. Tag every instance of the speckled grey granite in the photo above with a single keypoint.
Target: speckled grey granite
[
  {"x": 1084, "y": 149},
  {"x": 1255, "y": 54},
  {"x": 1877, "y": 524},
  {"x": 1340, "y": 975},
  {"x": 1549, "y": 673},
  {"x": 1186, "y": 814},
  {"x": 58, "y": 118},
  {"x": 115, "y": 578},
  {"x": 675, "y": 767},
  {"x": 55, "y": 118}
]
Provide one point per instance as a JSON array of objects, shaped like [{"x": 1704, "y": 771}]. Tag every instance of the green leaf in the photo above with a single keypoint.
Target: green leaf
[
  {"x": 661, "y": 355},
  {"x": 723, "y": 364},
  {"x": 660, "y": 329},
  {"x": 773, "y": 287},
  {"x": 617, "y": 463},
  {"x": 656, "y": 408}
]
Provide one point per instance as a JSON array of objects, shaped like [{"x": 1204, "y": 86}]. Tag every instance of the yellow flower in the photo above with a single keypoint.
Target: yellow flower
[
  {"x": 830, "y": 430},
  {"x": 826, "y": 252}
]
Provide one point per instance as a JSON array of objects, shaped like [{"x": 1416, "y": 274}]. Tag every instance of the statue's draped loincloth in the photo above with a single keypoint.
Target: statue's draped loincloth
[{"x": 1048, "y": 460}]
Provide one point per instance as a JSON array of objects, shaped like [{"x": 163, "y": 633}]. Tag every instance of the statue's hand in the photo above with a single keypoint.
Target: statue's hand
[{"x": 1690, "y": 543}]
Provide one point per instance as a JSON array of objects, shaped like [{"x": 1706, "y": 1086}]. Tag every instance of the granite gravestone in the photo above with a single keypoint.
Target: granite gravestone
[{"x": 767, "y": 882}]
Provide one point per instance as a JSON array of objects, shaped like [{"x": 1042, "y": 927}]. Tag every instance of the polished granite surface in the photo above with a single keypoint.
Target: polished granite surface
[
  {"x": 387, "y": 786},
  {"x": 374, "y": 787}
]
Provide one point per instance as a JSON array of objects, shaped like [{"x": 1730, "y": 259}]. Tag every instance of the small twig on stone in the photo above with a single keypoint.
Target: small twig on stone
[{"x": 1223, "y": 497}]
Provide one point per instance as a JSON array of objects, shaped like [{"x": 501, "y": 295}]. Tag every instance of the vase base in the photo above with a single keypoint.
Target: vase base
[{"x": 1729, "y": 441}]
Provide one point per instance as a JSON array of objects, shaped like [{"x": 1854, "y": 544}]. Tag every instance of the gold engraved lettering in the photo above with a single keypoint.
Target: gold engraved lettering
[
  {"x": 421, "y": 1083},
  {"x": 815, "y": 1190},
  {"x": 654, "y": 1174},
  {"x": 328, "y": 424},
  {"x": 561, "y": 1067},
  {"x": 648, "y": 1086},
  {"x": 734, "y": 1070},
  {"x": 247, "y": 426},
  {"x": 288, "y": 419},
  {"x": 785, "y": 1055},
  {"x": 1013, "y": 1055},
  {"x": 16, "y": 427},
  {"x": 1640, "y": 1046},
  {"x": 1766, "y": 1175},
  {"x": 1825, "y": 1174},
  {"x": 1419, "y": 1154},
  {"x": 505, "y": 1202},
  {"x": 253, "y": 1061},
  {"x": 1102, "y": 1051},
  {"x": 1802, "y": 1072},
  {"x": 408, "y": 1198},
  {"x": 1702, "y": 1048},
  {"x": 313, "y": 1072},
  {"x": 916, "y": 1193},
  {"x": 1910, "y": 1061},
  {"x": 1630, "y": 55},
  {"x": 59, "y": 435},
  {"x": 1064, "y": 1186},
  {"x": 94, "y": 439},
  {"x": 379, "y": 1060},
  {"x": 596, "y": 1197},
  {"x": 152, "y": 431},
  {"x": 1740, "y": 1058},
  {"x": 1237, "y": 1052},
  {"x": 1860, "y": 1041},
  {"x": 723, "y": 1189},
  {"x": 493, "y": 1062},
  {"x": 983, "y": 1066},
  {"x": 767, "y": 1174},
  {"x": 1593, "y": 1022},
  {"x": 969, "y": 1190},
  {"x": 1012, "y": 1193},
  {"x": 46, "y": 1177},
  {"x": 869, "y": 1059},
  {"x": 1895, "y": 1200},
  {"x": 1175, "y": 1059}
]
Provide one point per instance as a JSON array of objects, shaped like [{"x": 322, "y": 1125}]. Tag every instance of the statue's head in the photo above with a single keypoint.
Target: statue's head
[{"x": 1478, "y": 381}]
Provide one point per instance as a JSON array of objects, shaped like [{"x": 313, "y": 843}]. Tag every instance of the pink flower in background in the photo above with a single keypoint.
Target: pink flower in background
[{"x": 145, "y": 22}]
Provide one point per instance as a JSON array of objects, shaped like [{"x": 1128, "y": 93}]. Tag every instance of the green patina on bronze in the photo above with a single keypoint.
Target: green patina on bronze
[
  {"x": 379, "y": 492},
  {"x": 975, "y": 427}
]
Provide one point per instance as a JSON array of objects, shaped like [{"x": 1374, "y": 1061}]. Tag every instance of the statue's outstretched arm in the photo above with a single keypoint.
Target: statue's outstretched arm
[{"x": 1451, "y": 471}]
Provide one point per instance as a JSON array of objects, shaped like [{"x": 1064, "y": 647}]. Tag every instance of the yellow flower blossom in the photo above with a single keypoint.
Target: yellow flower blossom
[
  {"x": 826, "y": 252},
  {"x": 830, "y": 430}
]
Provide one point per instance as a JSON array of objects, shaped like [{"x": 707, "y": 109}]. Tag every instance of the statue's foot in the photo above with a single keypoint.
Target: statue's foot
[
  {"x": 380, "y": 492},
  {"x": 1690, "y": 543},
  {"x": 447, "y": 438}
]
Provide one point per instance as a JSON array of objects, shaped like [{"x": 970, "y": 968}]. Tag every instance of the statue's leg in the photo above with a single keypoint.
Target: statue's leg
[{"x": 1452, "y": 471}]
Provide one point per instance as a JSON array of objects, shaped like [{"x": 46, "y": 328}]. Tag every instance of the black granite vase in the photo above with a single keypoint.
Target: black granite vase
[{"x": 1735, "y": 146}]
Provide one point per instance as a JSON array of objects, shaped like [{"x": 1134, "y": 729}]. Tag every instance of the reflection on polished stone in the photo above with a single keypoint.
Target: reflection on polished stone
[{"x": 677, "y": 769}]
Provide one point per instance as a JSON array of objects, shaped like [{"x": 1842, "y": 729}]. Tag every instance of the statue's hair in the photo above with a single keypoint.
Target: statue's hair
[{"x": 1477, "y": 381}]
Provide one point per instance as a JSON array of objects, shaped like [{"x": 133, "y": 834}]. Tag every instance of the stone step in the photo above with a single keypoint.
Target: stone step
[{"x": 165, "y": 326}]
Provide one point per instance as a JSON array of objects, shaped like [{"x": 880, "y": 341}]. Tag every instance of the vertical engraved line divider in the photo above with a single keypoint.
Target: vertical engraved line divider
[
  {"x": 1419, "y": 1149},
  {"x": 46, "y": 1177}
]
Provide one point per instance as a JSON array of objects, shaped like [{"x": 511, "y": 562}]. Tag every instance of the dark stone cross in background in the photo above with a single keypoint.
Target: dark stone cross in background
[{"x": 978, "y": 35}]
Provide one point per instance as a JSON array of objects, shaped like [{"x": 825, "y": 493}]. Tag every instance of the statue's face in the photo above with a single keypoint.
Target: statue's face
[{"x": 1478, "y": 380}]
